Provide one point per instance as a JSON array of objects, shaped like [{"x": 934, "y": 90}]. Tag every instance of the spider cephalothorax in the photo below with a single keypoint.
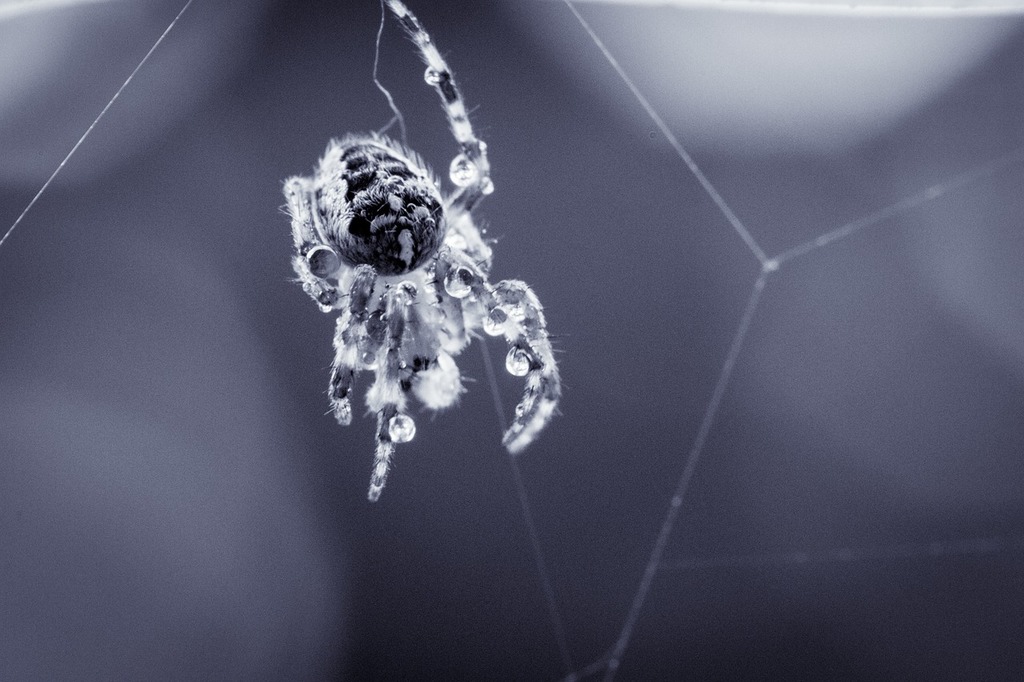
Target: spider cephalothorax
[{"x": 406, "y": 268}]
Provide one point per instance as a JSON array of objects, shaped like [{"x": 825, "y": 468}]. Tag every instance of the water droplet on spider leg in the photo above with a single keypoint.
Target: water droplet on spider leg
[
  {"x": 366, "y": 353},
  {"x": 517, "y": 362},
  {"x": 323, "y": 261},
  {"x": 463, "y": 172},
  {"x": 494, "y": 323},
  {"x": 401, "y": 428},
  {"x": 458, "y": 282},
  {"x": 487, "y": 187},
  {"x": 432, "y": 76}
]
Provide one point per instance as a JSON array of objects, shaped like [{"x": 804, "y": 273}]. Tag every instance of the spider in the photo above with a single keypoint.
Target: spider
[{"x": 407, "y": 269}]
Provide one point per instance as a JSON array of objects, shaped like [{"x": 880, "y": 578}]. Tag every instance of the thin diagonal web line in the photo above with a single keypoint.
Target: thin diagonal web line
[
  {"x": 953, "y": 548},
  {"x": 95, "y": 121},
  {"x": 733, "y": 219},
  {"x": 611, "y": 660},
  {"x": 531, "y": 527},
  {"x": 902, "y": 206},
  {"x": 685, "y": 477}
]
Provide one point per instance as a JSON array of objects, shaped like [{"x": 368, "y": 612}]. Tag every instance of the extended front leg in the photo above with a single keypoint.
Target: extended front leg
[{"x": 470, "y": 170}]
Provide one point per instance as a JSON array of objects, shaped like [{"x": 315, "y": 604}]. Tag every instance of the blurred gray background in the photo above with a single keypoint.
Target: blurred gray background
[{"x": 175, "y": 504}]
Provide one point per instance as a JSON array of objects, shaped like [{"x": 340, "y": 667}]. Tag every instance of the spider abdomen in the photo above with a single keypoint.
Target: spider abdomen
[{"x": 382, "y": 208}]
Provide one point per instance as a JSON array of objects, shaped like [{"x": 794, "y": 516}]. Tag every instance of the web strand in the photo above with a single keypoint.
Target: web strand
[
  {"x": 611, "y": 662},
  {"x": 686, "y": 477},
  {"x": 94, "y": 123},
  {"x": 733, "y": 219},
  {"x": 904, "y": 205},
  {"x": 909, "y": 551},
  {"x": 972, "y": 547},
  {"x": 397, "y": 113},
  {"x": 531, "y": 528}
]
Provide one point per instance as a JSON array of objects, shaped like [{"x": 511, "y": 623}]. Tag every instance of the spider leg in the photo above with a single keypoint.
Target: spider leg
[
  {"x": 463, "y": 235},
  {"x": 530, "y": 355},
  {"x": 453, "y": 337},
  {"x": 343, "y": 372},
  {"x": 357, "y": 339},
  {"x": 387, "y": 395},
  {"x": 470, "y": 170},
  {"x": 312, "y": 248},
  {"x": 510, "y": 309}
]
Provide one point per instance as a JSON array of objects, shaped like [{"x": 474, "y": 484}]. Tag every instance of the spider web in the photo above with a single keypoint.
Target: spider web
[
  {"x": 657, "y": 564},
  {"x": 684, "y": 489}
]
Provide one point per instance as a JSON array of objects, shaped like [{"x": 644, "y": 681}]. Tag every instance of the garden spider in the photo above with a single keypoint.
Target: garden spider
[{"x": 407, "y": 268}]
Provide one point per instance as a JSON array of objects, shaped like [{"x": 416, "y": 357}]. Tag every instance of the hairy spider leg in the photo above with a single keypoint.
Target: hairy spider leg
[
  {"x": 343, "y": 373},
  {"x": 357, "y": 339},
  {"x": 387, "y": 395},
  {"x": 463, "y": 235},
  {"x": 470, "y": 170},
  {"x": 383, "y": 454},
  {"x": 529, "y": 347},
  {"x": 453, "y": 323},
  {"x": 512, "y": 310},
  {"x": 310, "y": 241}
]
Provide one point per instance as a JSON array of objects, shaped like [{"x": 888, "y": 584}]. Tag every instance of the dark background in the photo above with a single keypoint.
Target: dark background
[{"x": 175, "y": 504}]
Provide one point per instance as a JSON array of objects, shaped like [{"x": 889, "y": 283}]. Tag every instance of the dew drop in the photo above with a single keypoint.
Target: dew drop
[
  {"x": 517, "y": 362},
  {"x": 432, "y": 76},
  {"x": 487, "y": 187},
  {"x": 401, "y": 428},
  {"x": 494, "y": 323},
  {"x": 368, "y": 359},
  {"x": 323, "y": 261},
  {"x": 463, "y": 172},
  {"x": 457, "y": 282}
]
